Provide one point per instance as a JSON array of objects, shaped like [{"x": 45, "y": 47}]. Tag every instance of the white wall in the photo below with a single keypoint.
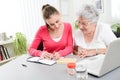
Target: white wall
[
  {"x": 31, "y": 9},
  {"x": 107, "y": 15},
  {"x": 22, "y": 16},
  {"x": 74, "y": 7},
  {"x": 13, "y": 17},
  {"x": 10, "y": 16}
]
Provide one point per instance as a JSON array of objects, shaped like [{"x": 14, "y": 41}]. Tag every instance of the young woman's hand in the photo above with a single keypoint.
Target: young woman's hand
[
  {"x": 46, "y": 55},
  {"x": 56, "y": 56}
]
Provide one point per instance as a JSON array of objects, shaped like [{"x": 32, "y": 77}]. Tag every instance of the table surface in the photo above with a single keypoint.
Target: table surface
[{"x": 14, "y": 70}]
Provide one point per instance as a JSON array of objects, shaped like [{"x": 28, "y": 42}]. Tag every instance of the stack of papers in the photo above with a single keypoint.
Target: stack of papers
[{"x": 40, "y": 60}]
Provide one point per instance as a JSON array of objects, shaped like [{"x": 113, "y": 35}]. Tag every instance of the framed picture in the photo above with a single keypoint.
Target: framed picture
[{"x": 99, "y": 5}]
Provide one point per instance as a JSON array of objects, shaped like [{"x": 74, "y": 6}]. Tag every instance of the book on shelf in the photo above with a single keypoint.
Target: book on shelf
[
  {"x": 4, "y": 52},
  {"x": 1, "y": 57}
]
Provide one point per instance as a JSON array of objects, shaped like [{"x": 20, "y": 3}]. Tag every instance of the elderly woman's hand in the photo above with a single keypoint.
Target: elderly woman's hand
[
  {"x": 86, "y": 52},
  {"x": 82, "y": 53}
]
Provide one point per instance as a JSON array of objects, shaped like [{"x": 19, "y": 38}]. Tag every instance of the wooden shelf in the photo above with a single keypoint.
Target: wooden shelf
[
  {"x": 6, "y": 60},
  {"x": 6, "y": 42}
]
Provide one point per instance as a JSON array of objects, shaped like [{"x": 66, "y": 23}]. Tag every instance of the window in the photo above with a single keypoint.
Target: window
[
  {"x": 115, "y": 6},
  {"x": 99, "y": 5},
  {"x": 32, "y": 15}
]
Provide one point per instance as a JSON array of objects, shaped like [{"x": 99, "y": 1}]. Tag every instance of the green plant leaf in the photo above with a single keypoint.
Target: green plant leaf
[
  {"x": 20, "y": 44},
  {"x": 76, "y": 24},
  {"x": 118, "y": 29},
  {"x": 115, "y": 27}
]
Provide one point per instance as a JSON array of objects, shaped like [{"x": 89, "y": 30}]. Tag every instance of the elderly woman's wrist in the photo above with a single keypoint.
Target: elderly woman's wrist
[
  {"x": 91, "y": 52},
  {"x": 96, "y": 51}
]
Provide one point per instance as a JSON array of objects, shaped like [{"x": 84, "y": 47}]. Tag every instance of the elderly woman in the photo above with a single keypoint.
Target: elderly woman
[{"x": 92, "y": 37}]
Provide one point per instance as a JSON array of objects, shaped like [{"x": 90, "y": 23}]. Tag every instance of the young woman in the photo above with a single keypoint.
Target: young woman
[{"x": 55, "y": 35}]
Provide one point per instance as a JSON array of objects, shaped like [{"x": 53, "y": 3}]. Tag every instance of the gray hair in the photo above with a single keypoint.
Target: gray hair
[{"x": 89, "y": 12}]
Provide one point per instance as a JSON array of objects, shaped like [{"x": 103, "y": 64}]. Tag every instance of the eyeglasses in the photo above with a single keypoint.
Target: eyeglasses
[{"x": 83, "y": 23}]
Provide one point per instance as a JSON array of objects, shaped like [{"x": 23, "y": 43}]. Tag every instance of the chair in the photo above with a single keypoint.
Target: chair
[
  {"x": 117, "y": 34},
  {"x": 40, "y": 47}
]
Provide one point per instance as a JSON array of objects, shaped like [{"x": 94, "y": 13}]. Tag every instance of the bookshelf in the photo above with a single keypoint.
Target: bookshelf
[{"x": 5, "y": 49}]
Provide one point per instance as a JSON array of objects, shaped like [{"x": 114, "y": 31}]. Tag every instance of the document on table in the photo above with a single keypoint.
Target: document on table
[
  {"x": 65, "y": 60},
  {"x": 40, "y": 60}
]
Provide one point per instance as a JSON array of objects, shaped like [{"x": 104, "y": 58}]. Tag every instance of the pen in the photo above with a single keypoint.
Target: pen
[
  {"x": 24, "y": 65},
  {"x": 40, "y": 58}
]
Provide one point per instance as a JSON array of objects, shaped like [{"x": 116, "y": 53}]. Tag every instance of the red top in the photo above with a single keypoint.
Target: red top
[
  {"x": 64, "y": 46},
  {"x": 71, "y": 65}
]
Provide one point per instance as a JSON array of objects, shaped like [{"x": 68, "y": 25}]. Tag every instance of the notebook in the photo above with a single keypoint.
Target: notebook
[
  {"x": 101, "y": 64},
  {"x": 40, "y": 60}
]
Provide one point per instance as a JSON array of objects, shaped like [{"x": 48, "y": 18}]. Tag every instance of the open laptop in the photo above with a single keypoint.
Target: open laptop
[{"x": 102, "y": 64}]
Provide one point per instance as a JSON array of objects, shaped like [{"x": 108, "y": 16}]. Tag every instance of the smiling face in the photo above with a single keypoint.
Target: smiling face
[
  {"x": 54, "y": 21},
  {"x": 85, "y": 25},
  {"x": 51, "y": 17}
]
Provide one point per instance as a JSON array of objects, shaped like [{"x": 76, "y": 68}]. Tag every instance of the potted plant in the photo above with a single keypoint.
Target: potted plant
[
  {"x": 116, "y": 29},
  {"x": 20, "y": 44}
]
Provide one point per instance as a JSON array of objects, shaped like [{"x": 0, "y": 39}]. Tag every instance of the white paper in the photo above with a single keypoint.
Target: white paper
[
  {"x": 33, "y": 59},
  {"x": 46, "y": 61}
]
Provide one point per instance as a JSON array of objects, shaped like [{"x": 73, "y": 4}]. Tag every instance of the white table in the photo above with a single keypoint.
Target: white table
[{"x": 34, "y": 71}]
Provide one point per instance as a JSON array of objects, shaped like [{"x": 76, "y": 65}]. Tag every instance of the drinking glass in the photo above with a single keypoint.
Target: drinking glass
[{"x": 81, "y": 71}]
